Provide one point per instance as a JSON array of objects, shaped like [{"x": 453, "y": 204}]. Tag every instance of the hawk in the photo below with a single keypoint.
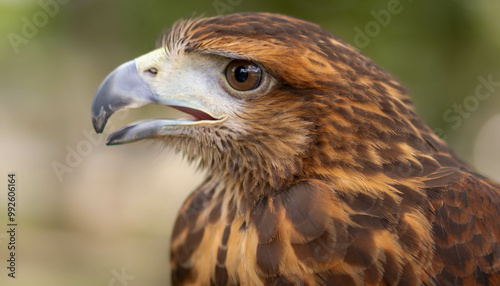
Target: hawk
[{"x": 319, "y": 171}]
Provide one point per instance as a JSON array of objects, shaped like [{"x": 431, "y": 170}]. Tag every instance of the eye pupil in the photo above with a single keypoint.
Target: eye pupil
[{"x": 241, "y": 74}]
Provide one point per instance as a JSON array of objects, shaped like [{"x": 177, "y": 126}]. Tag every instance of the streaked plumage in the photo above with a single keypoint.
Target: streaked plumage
[{"x": 321, "y": 175}]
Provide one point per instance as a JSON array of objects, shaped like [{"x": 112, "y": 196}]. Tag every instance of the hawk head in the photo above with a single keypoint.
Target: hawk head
[{"x": 270, "y": 99}]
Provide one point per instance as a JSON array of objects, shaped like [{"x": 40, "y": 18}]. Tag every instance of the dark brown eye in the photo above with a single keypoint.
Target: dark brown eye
[{"x": 243, "y": 75}]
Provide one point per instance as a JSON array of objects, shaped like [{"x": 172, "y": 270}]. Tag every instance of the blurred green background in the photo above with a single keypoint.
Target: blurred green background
[{"x": 109, "y": 211}]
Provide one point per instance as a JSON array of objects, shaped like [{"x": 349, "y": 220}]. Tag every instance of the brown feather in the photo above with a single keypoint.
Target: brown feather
[{"x": 335, "y": 181}]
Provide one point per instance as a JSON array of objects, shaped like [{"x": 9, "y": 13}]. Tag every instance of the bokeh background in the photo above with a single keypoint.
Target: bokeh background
[{"x": 95, "y": 215}]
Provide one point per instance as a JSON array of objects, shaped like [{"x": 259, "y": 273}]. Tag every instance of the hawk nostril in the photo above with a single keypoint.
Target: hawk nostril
[{"x": 152, "y": 71}]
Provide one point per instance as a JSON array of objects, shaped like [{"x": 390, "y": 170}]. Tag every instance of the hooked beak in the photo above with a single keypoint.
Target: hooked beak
[
  {"x": 121, "y": 89},
  {"x": 124, "y": 88}
]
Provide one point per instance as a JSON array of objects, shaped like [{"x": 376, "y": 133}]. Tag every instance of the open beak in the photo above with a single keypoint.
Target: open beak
[{"x": 124, "y": 88}]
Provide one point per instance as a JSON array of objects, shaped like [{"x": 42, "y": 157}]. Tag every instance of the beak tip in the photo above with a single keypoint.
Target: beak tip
[
  {"x": 99, "y": 123},
  {"x": 98, "y": 130}
]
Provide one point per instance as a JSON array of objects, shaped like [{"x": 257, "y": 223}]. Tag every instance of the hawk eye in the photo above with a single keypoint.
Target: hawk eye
[{"x": 243, "y": 75}]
